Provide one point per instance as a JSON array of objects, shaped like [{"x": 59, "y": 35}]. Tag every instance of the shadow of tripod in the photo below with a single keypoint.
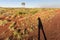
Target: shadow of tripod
[{"x": 40, "y": 26}]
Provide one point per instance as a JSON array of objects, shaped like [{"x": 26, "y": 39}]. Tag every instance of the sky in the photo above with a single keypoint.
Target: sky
[{"x": 30, "y": 3}]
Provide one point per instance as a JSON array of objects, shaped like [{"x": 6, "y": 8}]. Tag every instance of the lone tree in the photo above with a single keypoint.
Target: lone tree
[{"x": 23, "y": 4}]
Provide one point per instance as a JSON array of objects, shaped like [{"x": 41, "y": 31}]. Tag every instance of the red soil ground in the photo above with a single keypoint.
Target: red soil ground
[{"x": 52, "y": 28}]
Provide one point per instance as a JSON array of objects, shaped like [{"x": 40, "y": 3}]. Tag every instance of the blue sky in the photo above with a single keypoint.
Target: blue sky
[{"x": 30, "y": 3}]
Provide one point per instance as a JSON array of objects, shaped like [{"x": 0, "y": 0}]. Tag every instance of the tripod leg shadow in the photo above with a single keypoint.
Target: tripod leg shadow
[{"x": 40, "y": 27}]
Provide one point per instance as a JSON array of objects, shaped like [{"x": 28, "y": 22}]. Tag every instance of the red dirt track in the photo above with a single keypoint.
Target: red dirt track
[{"x": 52, "y": 28}]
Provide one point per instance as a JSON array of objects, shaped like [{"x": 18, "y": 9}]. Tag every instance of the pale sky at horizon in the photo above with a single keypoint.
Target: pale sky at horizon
[{"x": 30, "y": 3}]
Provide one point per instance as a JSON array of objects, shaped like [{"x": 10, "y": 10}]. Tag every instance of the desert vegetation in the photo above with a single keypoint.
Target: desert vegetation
[
  {"x": 22, "y": 23},
  {"x": 16, "y": 23}
]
